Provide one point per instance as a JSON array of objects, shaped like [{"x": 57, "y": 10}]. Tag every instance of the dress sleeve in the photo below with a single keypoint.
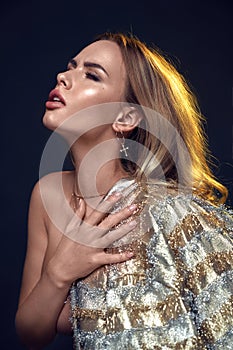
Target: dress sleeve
[
  {"x": 176, "y": 293},
  {"x": 202, "y": 246}
]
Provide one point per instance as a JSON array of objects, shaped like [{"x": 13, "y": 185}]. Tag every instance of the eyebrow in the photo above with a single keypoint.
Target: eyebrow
[{"x": 88, "y": 64}]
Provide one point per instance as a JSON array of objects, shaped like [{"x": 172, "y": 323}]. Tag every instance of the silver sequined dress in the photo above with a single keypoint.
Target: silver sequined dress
[{"x": 177, "y": 291}]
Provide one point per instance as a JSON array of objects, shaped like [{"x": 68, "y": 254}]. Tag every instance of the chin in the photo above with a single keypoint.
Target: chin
[{"x": 50, "y": 121}]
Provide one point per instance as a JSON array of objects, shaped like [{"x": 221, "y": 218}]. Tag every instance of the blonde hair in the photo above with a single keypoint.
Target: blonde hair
[{"x": 153, "y": 82}]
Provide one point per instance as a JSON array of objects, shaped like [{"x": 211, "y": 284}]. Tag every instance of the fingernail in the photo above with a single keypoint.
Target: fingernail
[
  {"x": 132, "y": 223},
  {"x": 129, "y": 254},
  {"x": 116, "y": 194},
  {"x": 132, "y": 207}
]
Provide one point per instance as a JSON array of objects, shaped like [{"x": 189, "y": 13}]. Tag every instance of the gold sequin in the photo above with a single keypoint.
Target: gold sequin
[
  {"x": 159, "y": 299},
  {"x": 143, "y": 315},
  {"x": 206, "y": 271},
  {"x": 216, "y": 326},
  {"x": 184, "y": 232}
]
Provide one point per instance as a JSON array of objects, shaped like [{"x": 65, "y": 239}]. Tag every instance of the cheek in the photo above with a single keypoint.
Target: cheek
[
  {"x": 93, "y": 96},
  {"x": 92, "y": 92},
  {"x": 87, "y": 95}
]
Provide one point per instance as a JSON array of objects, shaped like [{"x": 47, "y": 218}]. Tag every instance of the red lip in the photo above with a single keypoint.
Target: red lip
[{"x": 51, "y": 103}]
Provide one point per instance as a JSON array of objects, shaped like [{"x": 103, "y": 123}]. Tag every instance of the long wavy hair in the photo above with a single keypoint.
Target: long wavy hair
[{"x": 153, "y": 82}]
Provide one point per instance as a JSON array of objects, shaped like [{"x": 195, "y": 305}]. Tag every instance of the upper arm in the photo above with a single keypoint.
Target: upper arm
[{"x": 37, "y": 242}]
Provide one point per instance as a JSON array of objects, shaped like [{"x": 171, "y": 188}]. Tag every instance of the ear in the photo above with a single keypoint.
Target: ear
[{"x": 128, "y": 119}]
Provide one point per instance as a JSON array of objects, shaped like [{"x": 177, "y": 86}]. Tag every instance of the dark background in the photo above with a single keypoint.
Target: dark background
[{"x": 38, "y": 38}]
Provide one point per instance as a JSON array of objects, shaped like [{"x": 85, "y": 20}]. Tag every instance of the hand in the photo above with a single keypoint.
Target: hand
[
  {"x": 97, "y": 230},
  {"x": 81, "y": 249}
]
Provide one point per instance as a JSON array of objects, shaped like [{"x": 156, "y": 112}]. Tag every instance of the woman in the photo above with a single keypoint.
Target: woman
[{"x": 145, "y": 259}]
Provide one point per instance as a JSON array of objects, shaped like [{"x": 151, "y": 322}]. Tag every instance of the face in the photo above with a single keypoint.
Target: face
[{"x": 95, "y": 76}]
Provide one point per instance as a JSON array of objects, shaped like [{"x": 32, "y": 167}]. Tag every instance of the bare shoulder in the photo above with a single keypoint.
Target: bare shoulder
[
  {"x": 53, "y": 192},
  {"x": 53, "y": 179},
  {"x": 50, "y": 191},
  {"x": 54, "y": 184}
]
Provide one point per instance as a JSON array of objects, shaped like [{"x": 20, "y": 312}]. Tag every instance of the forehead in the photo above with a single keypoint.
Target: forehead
[{"x": 104, "y": 52}]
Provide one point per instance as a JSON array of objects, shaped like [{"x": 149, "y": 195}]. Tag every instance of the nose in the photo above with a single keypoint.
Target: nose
[{"x": 64, "y": 80}]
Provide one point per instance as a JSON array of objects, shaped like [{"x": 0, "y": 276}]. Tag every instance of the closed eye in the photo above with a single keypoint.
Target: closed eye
[{"x": 92, "y": 76}]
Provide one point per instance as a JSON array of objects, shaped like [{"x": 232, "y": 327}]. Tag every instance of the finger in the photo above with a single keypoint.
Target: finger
[
  {"x": 76, "y": 219},
  {"x": 103, "y": 209},
  {"x": 113, "y": 219},
  {"x": 112, "y": 236},
  {"x": 81, "y": 209},
  {"x": 96, "y": 237},
  {"x": 106, "y": 258}
]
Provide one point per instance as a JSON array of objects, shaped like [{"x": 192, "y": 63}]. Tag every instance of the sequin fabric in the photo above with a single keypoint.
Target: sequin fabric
[{"x": 177, "y": 291}]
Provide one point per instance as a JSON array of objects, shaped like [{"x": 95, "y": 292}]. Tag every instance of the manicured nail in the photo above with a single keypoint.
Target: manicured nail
[
  {"x": 132, "y": 207},
  {"x": 129, "y": 254},
  {"x": 133, "y": 223},
  {"x": 116, "y": 194}
]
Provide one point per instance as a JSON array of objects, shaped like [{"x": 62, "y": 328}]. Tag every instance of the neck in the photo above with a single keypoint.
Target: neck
[
  {"x": 97, "y": 185},
  {"x": 96, "y": 169}
]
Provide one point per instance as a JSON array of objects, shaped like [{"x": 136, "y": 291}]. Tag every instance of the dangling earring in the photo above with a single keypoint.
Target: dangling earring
[{"x": 122, "y": 142}]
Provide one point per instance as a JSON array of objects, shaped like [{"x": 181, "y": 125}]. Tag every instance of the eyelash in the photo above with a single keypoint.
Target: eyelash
[
  {"x": 92, "y": 76},
  {"x": 88, "y": 75}
]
